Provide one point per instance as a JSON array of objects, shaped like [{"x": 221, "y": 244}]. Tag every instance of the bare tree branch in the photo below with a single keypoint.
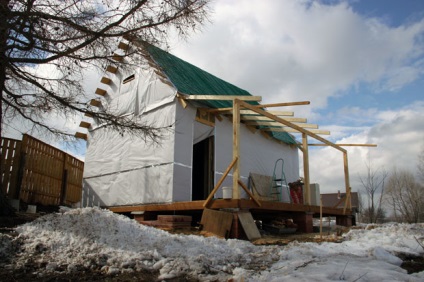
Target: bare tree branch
[{"x": 66, "y": 37}]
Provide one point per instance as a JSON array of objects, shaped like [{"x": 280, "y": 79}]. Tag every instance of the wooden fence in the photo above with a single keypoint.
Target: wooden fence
[{"x": 38, "y": 173}]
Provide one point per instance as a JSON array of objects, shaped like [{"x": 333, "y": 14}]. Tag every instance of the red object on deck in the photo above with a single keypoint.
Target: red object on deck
[{"x": 296, "y": 192}]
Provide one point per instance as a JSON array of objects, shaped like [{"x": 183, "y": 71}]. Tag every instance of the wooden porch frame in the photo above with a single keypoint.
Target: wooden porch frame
[
  {"x": 238, "y": 105},
  {"x": 304, "y": 148}
]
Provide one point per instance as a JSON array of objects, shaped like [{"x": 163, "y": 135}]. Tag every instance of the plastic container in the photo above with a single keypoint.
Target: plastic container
[{"x": 227, "y": 192}]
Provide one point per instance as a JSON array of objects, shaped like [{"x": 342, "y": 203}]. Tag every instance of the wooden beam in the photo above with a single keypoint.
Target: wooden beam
[
  {"x": 236, "y": 148},
  {"x": 276, "y": 123},
  {"x": 266, "y": 106},
  {"x": 229, "y": 111},
  {"x": 229, "y": 203},
  {"x": 348, "y": 202},
  {"x": 306, "y": 168},
  {"x": 249, "y": 193},
  {"x": 346, "y": 172},
  {"x": 221, "y": 97},
  {"x": 80, "y": 135},
  {"x": 111, "y": 69},
  {"x": 341, "y": 200},
  {"x": 283, "y": 104},
  {"x": 85, "y": 124},
  {"x": 123, "y": 45},
  {"x": 95, "y": 103},
  {"x": 209, "y": 198},
  {"x": 182, "y": 102},
  {"x": 263, "y": 119},
  {"x": 292, "y": 125},
  {"x": 100, "y": 92},
  {"x": 291, "y": 130},
  {"x": 88, "y": 115},
  {"x": 277, "y": 113},
  {"x": 346, "y": 145},
  {"x": 105, "y": 80},
  {"x": 117, "y": 57}
]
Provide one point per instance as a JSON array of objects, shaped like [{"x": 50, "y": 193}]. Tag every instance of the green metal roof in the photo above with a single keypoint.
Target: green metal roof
[{"x": 191, "y": 80}]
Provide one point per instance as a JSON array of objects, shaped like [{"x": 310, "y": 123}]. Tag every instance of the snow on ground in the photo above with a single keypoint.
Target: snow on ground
[{"x": 92, "y": 238}]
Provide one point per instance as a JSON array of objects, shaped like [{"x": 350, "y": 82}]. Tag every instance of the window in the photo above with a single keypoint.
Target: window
[
  {"x": 128, "y": 79},
  {"x": 205, "y": 117}
]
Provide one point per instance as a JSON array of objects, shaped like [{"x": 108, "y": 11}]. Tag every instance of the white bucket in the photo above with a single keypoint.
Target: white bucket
[{"x": 227, "y": 192}]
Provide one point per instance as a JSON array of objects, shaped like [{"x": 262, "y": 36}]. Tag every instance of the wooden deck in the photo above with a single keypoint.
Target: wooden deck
[
  {"x": 264, "y": 211},
  {"x": 244, "y": 204}
]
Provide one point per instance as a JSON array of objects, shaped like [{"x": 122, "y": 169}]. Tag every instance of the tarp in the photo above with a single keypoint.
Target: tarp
[{"x": 123, "y": 169}]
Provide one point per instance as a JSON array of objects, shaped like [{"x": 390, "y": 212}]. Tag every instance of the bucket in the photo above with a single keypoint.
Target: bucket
[{"x": 227, "y": 192}]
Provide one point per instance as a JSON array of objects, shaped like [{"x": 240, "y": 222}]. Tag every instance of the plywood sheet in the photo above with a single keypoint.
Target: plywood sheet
[
  {"x": 249, "y": 226},
  {"x": 261, "y": 185},
  {"x": 217, "y": 222}
]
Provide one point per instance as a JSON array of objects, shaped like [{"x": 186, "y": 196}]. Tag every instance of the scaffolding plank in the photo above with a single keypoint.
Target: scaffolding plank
[{"x": 249, "y": 226}]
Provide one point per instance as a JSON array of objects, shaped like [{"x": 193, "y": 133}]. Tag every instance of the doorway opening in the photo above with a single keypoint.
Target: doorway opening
[{"x": 203, "y": 169}]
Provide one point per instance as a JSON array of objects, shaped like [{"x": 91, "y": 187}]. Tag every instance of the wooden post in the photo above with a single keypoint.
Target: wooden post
[
  {"x": 236, "y": 148},
  {"x": 320, "y": 217},
  {"x": 306, "y": 169},
  {"x": 346, "y": 173},
  {"x": 348, "y": 201}
]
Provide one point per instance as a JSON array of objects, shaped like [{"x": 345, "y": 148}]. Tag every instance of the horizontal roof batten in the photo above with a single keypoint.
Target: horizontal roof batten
[
  {"x": 291, "y": 130},
  {"x": 287, "y": 104},
  {"x": 262, "y": 118},
  {"x": 292, "y": 125},
  {"x": 278, "y": 124},
  {"x": 347, "y": 145},
  {"x": 248, "y": 112},
  {"x": 265, "y": 106},
  {"x": 276, "y": 113},
  {"x": 221, "y": 97}
]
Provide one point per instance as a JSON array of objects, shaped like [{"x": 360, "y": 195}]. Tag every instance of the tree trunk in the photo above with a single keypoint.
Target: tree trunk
[{"x": 4, "y": 12}]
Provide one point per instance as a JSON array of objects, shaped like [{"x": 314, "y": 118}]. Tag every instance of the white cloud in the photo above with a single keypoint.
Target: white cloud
[
  {"x": 304, "y": 50},
  {"x": 399, "y": 136}
]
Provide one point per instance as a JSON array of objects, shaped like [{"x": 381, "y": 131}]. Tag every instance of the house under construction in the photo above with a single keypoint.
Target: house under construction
[{"x": 224, "y": 158}]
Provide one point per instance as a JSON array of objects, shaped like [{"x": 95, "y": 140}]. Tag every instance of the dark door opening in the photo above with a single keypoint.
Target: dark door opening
[{"x": 203, "y": 169}]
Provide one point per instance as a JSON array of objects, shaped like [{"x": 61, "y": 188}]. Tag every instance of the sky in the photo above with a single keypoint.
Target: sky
[
  {"x": 360, "y": 64},
  {"x": 113, "y": 244}
]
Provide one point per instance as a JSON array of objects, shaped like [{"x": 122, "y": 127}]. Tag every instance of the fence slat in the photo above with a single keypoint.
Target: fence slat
[
  {"x": 10, "y": 159},
  {"x": 41, "y": 171}
]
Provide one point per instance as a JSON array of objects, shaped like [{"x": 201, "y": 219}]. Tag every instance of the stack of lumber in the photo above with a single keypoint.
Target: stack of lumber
[{"x": 169, "y": 221}]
